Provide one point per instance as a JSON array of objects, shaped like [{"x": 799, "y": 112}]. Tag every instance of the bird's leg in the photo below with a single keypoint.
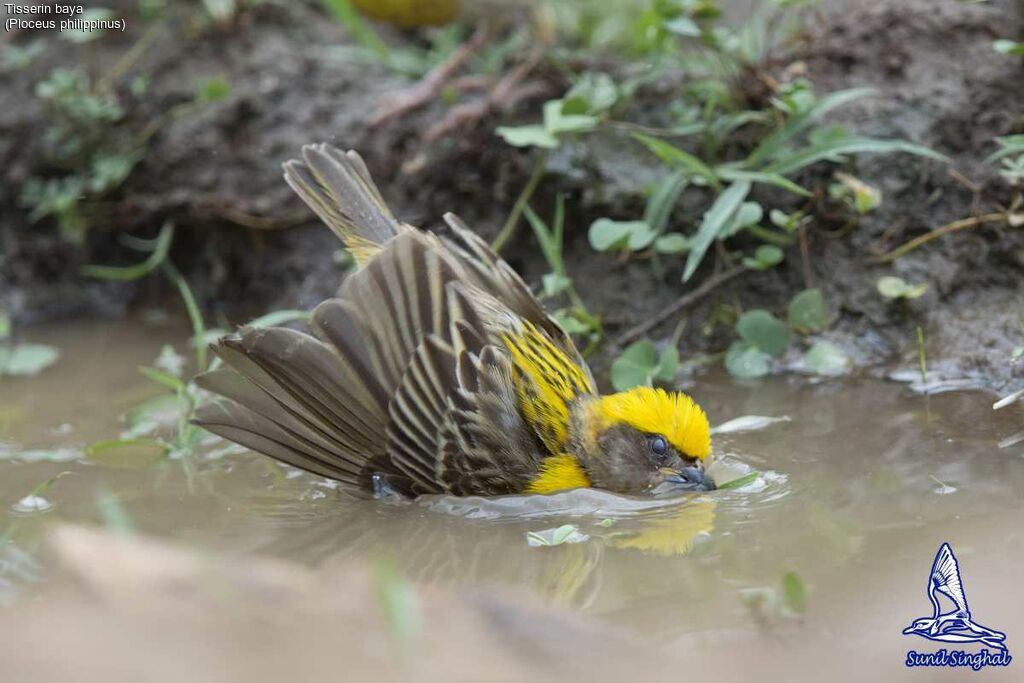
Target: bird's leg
[{"x": 428, "y": 87}]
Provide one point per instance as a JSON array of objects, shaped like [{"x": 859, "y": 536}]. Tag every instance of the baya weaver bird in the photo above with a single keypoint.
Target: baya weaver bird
[{"x": 436, "y": 370}]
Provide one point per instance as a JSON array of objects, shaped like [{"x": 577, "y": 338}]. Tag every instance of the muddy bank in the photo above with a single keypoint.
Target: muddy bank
[{"x": 247, "y": 245}]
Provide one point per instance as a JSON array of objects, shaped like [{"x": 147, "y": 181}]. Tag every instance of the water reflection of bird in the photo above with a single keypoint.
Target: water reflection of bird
[
  {"x": 955, "y": 626},
  {"x": 436, "y": 370},
  {"x": 442, "y": 548}
]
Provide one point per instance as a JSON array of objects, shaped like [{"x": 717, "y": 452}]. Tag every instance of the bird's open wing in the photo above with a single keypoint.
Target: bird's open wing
[
  {"x": 945, "y": 578},
  {"x": 455, "y": 425},
  {"x": 493, "y": 275}
]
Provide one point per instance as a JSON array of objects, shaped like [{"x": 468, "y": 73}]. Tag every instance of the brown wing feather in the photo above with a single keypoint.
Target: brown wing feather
[
  {"x": 493, "y": 275},
  {"x": 407, "y": 374}
]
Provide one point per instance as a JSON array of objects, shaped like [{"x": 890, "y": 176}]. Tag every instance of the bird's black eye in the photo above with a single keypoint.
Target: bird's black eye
[{"x": 658, "y": 445}]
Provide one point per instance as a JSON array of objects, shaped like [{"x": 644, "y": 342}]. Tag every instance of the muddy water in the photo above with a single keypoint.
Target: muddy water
[{"x": 859, "y": 486}]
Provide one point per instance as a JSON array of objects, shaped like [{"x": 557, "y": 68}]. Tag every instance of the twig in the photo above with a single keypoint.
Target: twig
[
  {"x": 805, "y": 256},
  {"x": 682, "y": 302},
  {"x": 961, "y": 224},
  {"x": 426, "y": 88},
  {"x": 540, "y": 163},
  {"x": 255, "y": 222}
]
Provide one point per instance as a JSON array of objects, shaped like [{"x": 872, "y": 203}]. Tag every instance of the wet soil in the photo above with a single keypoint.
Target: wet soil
[{"x": 247, "y": 245}]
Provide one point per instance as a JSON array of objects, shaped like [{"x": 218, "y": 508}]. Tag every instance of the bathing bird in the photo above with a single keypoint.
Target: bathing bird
[
  {"x": 955, "y": 626},
  {"x": 436, "y": 370}
]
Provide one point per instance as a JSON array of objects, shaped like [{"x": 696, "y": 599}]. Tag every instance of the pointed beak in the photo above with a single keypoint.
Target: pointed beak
[{"x": 688, "y": 479}]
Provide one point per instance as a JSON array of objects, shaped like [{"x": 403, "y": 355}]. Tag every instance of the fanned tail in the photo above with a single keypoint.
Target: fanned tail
[{"x": 338, "y": 187}]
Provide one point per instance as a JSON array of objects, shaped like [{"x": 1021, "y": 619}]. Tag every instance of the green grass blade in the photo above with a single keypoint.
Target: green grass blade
[
  {"x": 663, "y": 200},
  {"x": 161, "y": 245},
  {"x": 678, "y": 158},
  {"x": 192, "y": 307},
  {"x": 833, "y": 152},
  {"x": 771, "y": 145},
  {"x": 714, "y": 220},
  {"x": 774, "y": 179}
]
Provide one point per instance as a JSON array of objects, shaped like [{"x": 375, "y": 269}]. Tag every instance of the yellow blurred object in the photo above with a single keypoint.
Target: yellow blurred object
[
  {"x": 673, "y": 534},
  {"x": 410, "y": 13}
]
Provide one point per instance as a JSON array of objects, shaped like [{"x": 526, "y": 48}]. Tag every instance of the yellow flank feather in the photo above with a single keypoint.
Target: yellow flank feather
[
  {"x": 656, "y": 411},
  {"x": 362, "y": 249},
  {"x": 557, "y": 473},
  {"x": 546, "y": 382}
]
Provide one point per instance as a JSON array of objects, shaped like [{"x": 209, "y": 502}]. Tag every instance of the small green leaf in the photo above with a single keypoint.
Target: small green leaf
[
  {"x": 780, "y": 219},
  {"x": 553, "y": 284},
  {"x": 672, "y": 243},
  {"x": 528, "y": 136},
  {"x": 744, "y": 360},
  {"x": 606, "y": 234},
  {"x": 668, "y": 364},
  {"x": 562, "y": 534},
  {"x": 807, "y": 312},
  {"x": 683, "y": 26},
  {"x": 571, "y": 324},
  {"x": 1009, "y": 47},
  {"x": 567, "y": 533},
  {"x": 591, "y": 94},
  {"x": 765, "y": 331},
  {"x": 212, "y": 89},
  {"x": 825, "y": 358},
  {"x": 794, "y": 593},
  {"x": 635, "y": 366},
  {"x": 739, "y": 482},
  {"x": 865, "y": 197},
  {"x": 126, "y": 452},
  {"x": 5, "y": 326},
  {"x": 714, "y": 221},
  {"x": 557, "y": 121},
  {"x": 748, "y": 214},
  {"x": 766, "y": 256},
  {"x": 892, "y": 287},
  {"x": 25, "y": 360}
]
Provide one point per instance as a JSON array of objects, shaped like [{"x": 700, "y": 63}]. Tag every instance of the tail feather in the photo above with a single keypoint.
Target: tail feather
[
  {"x": 339, "y": 189},
  {"x": 293, "y": 397}
]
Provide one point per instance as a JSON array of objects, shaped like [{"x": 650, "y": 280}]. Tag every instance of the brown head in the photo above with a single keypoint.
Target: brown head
[{"x": 641, "y": 440}]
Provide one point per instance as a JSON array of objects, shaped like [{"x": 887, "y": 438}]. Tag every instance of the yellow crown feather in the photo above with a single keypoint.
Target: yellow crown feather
[{"x": 656, "y": 411}]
